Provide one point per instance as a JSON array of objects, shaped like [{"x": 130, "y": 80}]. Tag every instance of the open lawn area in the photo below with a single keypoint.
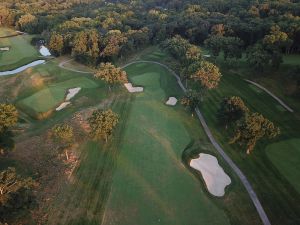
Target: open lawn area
[
  {"x": 151, "y": 184},
  {"x": 21, "y": 51},
  {"x": 273, "y": 177},
  {"x": 51, "y": 93}
]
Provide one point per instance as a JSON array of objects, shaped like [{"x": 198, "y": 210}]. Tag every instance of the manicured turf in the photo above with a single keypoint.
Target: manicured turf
[
  {"x": 285, "y": 156},
  {"x": 53, "y": 95},
  {"x": 151, "y": 185},
  {"x": 54, "y": 89},
  {"x": 278, "y": 196},
  {"x": 20, "y": 53}
]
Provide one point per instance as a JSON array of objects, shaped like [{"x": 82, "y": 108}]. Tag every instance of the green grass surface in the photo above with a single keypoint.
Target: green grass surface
[
  {"x": 285, "y": 156},
  {"x": 54, "y": 94},
  {"x": 151, "y": 185},
  {"x": 20, "y": 53},
  {"x": 279, "y": 197},
  {"x": 292, "y": 59},
  {"x": 5, "y": 31}
]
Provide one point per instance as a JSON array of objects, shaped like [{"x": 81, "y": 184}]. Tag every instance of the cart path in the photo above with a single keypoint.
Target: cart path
[
  {"x": 61, "y": 65},
  {"x": 271, "y": 94},
  {"x": 221, "y": 151}
]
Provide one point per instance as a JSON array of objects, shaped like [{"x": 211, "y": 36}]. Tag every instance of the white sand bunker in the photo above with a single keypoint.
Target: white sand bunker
[
  {"x": 62, "y": 106},
  {"x": 172, "y": 101},
  {"x": 213, "y": 174},
  {"x": 44, "y": 51},
  {"x": 133, "y": 89},
  {"x": 4, "y": 49},
  {"x": 72, "y": 92}
]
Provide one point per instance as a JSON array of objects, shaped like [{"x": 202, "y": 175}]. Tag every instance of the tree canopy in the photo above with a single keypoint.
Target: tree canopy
[
  {"x": 102, "y": 123},
  {"x": 251, "y": 128},
  {"x": 111, "y": 74}
]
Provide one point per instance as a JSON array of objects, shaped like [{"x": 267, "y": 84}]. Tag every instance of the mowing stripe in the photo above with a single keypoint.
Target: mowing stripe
[
  {"x": 234, "y": 167},
  {"x": 271, "y": 94}
]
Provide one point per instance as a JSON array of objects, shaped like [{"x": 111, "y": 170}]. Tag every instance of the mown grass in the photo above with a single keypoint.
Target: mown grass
[
  {"x": 51, "y": 96},
  {"x": 151, "y": 184},
  {"x": 279, "y": 197},
  {"x": 83, "y": 200},
  {"x": 20, "y": 53},
  {"x": 284, "y": 155}
]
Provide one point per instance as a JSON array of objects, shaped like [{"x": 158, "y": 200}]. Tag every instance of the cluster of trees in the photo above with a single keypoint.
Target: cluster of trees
[
  {"x": 15, "y": 191},
  {"x": 97, "y": 31},
  {"x": 194, "y": 68},
  {"x": 8, "y": 118},
  {"x": 91, "y": 46},
  {"x": 248, "y": 127}
]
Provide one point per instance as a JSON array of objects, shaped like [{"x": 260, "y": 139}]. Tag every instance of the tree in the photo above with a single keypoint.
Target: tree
[
  {"x": 274, "y": 43},
  {"x": 15, "y": 192},
  {"x": 111, "y": 74},
  {"x": 64, "y": 134},
  {"x": 113, "y": 42},
  {"x": 27, "y": 23},
  {"x": 102, "y": 123},
  {"x": 8, "y": 116},
  {"x": 218, "y": 29},
  {"x": 214, "y": 43},
  {"x": 191, "y": 99},
  {"x": 251, "y": 128},
  {"x": 231, "y": 110},
  {"x": 86, "y": 46},
  {"x": 56, "y": 43},
  {"x": 257, "y": 57},
  {"x": 232, "y": 47},
  {"x": 208, "y": 75},
  {"x": 7, "y": 17}
]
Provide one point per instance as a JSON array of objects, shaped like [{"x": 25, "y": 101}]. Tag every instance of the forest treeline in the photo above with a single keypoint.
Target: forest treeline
[{"x": 96, "y": 30}]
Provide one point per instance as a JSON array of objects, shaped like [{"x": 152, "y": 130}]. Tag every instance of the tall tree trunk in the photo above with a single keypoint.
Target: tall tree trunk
[{"x": 67, "y": 155}]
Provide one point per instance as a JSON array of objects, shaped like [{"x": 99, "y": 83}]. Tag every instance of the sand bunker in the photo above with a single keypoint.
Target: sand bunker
[
  {"x": 213, "y": 174},
  {"x": 133, "y": 89},
  {"x": 44, "y": 51},
  {"x": 72, "y": 93},
  {"x": 172, "y": 101},
  {"x": 4, "y": 49},
  {"x": 62, "y": 106},
  {"x": 22, "y": 68}
]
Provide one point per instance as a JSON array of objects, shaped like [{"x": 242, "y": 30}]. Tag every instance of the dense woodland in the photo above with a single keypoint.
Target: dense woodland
[{"x": 95, "y": 32}]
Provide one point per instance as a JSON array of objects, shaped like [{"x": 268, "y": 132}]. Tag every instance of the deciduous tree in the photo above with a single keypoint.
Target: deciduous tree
[
  {"x": 102, "y": 123},
  {"x": 15, "y": 192},
  {"x": 111, "y": 74},
  {"x": 251, "y": 128},
  {"x": 208, "y": 75},
  {"x": 231, "y": 110}
]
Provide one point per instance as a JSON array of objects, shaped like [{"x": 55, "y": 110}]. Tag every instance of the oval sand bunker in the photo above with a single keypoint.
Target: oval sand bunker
[
  {"x": 213, "y": 174},
  {"x": 171, "y": 101}
]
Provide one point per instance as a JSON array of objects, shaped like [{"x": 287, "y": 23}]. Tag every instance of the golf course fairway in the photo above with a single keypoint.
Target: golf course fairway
[{"x": 151, "y": 184}]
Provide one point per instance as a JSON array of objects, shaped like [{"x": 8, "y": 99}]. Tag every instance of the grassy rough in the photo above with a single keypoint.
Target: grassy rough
[{"x": 151, "y": 184}]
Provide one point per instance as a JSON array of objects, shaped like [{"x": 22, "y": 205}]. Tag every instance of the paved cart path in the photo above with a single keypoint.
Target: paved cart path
[{"x": 234, "y": 167}]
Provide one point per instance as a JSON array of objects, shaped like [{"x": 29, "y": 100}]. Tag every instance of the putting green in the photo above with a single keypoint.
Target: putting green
[
  {"x": 151, "y": 185},
  {"x": 21, "y": 51},
  {"x": 284, "y": 155},
  {"x": 54, "y": 94}
]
